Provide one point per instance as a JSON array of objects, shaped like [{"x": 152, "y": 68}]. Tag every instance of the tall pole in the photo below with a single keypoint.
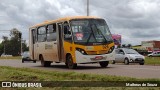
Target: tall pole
[
  {"x": 87, "y": 7},
  {"x": 22, "y": 41},
  {"x": 21, "y": 46},
  {"x": 4, "y": 50}
]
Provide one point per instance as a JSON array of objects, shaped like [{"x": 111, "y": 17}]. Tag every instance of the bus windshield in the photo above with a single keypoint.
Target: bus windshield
[{"x": 91, "y": 31}]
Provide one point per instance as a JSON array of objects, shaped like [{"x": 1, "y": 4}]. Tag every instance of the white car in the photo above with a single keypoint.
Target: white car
[
  {"x": 126, "y": 56},
  {"x": 154, "y": 54},
  {"x": 26, "y": 57}
]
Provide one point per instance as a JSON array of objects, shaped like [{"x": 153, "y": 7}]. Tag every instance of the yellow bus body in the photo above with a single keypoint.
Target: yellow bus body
[{"x": 50, "y": 50}]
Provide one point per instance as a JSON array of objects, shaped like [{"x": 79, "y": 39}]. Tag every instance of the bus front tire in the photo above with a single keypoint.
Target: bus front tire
[
  {"x": 70, "y": 63},
  {"x": 45, "y": 63},
  {"x": 104, "y": 64},
  {"x": 113, "y": 62}
]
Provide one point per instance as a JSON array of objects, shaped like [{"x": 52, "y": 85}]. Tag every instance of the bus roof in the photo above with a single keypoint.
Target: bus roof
[{"x": 64, "y": 19}]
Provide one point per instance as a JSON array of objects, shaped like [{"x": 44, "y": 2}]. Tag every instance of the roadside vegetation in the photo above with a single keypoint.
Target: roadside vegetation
[
  {"x": 11, "y": 58},
  {"x": 152, "y": 60},
  {"x": 26, "y": 74},
  {"x": 12, "y": 44}
]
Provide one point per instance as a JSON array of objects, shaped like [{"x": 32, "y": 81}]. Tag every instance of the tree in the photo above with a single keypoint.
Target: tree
[
  {"x": 12, "y": 46},
  {"x": 15, "y": 42},
  {"x": 129, "y": 45},
  {"x": 126, "y": 46},
  {"x": 1, "y": 48},
  {"x": 5, "y": 38},
  {"x": 15, "y": 34},
  {"x": 123, "y": 45},
  {"x": 4, "y": 44}
]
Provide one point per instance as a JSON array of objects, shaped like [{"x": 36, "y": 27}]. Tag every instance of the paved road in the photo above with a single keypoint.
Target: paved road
[{"x": 133, "y": 70}]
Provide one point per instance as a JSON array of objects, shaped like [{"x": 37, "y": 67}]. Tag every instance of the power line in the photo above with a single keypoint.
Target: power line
[{"x": 5, "y": 30}]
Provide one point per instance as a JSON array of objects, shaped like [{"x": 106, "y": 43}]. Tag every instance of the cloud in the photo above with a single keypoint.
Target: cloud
[{"x": 135, "y": 20}]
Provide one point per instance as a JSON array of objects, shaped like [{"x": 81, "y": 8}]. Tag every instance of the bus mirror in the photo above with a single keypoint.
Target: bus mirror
[{"x": 68, "y": 37}]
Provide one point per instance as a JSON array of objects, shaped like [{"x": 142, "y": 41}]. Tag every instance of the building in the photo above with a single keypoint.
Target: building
[{"x": 151, "y": 45}]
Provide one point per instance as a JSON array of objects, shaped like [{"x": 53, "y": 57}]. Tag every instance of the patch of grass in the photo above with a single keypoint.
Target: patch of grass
[
  {"x": 11, "y": 58},
  {"x": 152, "y": 60},
  {"x": 26, "y": 74}
]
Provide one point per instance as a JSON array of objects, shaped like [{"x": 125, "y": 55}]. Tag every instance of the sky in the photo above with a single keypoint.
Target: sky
[{"x": 135, "y": 20}]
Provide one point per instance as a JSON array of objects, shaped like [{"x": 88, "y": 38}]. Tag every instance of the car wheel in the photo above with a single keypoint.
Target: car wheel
[
  {"x": 126, "y": 61},
  {"x": 22, "y": 60},
  {"x": 104, "y": 64},
  {"x": 70, "y": 63},
  {"x": 141, "y": 63},
  {"x": 45, "y": 63},
  {"x": 113, "y": 62}
]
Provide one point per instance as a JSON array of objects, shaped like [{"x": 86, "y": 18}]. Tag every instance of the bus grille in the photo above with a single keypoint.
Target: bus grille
[{"x": 96, "y": 52}]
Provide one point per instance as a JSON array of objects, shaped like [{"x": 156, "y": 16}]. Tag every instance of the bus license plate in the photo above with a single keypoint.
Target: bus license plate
[{"x": 97, "y": 58}]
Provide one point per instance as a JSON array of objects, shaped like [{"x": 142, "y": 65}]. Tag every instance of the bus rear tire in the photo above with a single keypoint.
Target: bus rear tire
[
  {"x": 104, "y": 64},
  {"x": 69, "y": 62},
  {"x": 45, "y": 63}
]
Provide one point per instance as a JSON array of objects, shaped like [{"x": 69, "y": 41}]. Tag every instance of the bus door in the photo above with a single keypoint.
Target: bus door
[
  {"x": 51, "y": 51},
  {"x": 60, "y": 42},
  {"x": 33, "y": 44}
]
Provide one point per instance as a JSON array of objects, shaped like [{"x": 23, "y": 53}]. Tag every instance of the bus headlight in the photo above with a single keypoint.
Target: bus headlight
[
  {"x": 81, "y": 51},
  {"x": 111, "y": 49}
]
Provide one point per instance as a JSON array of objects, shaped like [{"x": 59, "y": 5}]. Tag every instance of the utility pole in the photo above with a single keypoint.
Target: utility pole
[
  {"x": 20, "y": 38},
  {"x": 4, "y": 50},
  {"x": 87, "y": 7}
]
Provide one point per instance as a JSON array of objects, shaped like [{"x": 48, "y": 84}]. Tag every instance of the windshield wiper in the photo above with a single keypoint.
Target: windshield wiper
[
  {"x": 91, "y": 35},
  {"x": 88, "y": 38},
  {"x": 100, "y": 32}
]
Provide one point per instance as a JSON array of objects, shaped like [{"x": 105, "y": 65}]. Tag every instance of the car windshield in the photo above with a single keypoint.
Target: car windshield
[
  {"x": 91, "y": 31},
  {"x": 26, "y": 54},
  {"x": 130, "y": 51}
]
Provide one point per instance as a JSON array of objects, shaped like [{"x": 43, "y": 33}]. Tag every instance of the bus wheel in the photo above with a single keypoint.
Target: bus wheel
[
  {"x": 45, "y": 63},
  {"x": 113, "y": 62},
  {"x": 104, "y": 63},
  {"x": 70, "y": 63}
]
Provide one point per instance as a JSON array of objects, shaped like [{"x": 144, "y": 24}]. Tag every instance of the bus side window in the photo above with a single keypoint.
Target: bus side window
[
  {"x": 51, "y": 32},
  {"x": 42, "y": 34},
  {"x": 67, "y": 32}
]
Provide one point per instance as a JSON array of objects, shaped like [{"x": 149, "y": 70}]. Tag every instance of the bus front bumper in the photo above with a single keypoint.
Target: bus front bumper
[{"x": 80, "y": 58}]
